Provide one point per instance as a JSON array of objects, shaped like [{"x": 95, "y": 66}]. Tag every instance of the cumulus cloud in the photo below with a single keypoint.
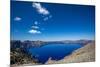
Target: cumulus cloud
[
  {"x": 35, "y": 22},
  {"x": 40, "y": 9},
  {"x": 17, "y": 18},
  {"x": 35, "y": 27},
  {"x": 32, "y": 31}
]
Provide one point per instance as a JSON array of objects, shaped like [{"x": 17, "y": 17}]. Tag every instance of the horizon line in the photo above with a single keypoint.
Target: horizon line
[{"x": 53, "y": 40}]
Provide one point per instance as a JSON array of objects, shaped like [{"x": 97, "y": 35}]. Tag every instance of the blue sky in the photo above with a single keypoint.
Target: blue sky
[{"x": 46, "y": 21}]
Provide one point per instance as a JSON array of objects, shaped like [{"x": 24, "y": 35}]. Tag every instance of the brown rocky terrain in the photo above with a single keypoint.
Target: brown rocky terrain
[{"x": 84, "y": 54}]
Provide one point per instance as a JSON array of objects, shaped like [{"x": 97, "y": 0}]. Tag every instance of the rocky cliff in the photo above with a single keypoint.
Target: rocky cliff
[{"x": 84, "y": 54}]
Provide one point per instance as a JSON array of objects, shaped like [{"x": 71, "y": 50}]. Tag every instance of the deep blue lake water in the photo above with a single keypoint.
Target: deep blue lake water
[{"x": 55, "y": 51}]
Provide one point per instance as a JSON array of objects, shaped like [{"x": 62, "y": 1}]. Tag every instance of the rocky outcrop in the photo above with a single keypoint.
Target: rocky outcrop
[
  {"x": 84, "y": 54},
  {"x": 19, "y": 57}
]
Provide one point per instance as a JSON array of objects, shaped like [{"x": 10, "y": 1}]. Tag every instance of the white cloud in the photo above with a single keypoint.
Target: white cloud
[
  {"x": 35, "y": 27},
  {"x": 17, "y": 18},
  {"x": 35, "y": 22},
  {"x": 46, "y": 18},
  {"x": 34, "y": 31},
  {"x": 40, "y": 9}
]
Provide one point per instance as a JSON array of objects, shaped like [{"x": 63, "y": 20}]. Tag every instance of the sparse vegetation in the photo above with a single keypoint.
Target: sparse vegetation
[{"x": 19, "y": 55}]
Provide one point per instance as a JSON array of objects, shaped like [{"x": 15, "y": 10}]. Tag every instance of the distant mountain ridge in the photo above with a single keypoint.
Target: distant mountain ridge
[{"x": 27, "y": 43}]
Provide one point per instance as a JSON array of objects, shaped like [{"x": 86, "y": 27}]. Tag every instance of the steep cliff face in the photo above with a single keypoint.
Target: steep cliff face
[{"x": 84, "y": 54}]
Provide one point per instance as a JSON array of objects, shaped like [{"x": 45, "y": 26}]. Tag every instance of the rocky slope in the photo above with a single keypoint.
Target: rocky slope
[
  {"x": 84, "y": 54},
  {"x": 18, "y": 57}
]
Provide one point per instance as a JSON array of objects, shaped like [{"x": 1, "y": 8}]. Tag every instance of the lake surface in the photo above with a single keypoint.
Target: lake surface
[{"x": 55, "y": 51}]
